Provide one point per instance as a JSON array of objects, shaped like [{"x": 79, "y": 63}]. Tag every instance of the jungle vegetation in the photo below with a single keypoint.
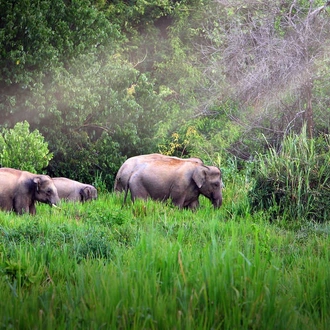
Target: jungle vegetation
[
  {"x": 243, "y": 85},
  {"x": 227, "y": 81}
]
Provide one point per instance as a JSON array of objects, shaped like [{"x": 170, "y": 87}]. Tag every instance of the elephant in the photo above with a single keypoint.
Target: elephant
[
  {"x": 19, "y": 190},
  {"x": 178, "y": 180},
  {"x": 75, "y": 191},
  {"x": 129, "y": 165}
]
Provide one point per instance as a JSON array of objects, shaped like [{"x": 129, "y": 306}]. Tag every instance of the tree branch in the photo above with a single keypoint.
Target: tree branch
[
  {"x": 315, "y": 12},
  {"x": 139, "y": 62}
]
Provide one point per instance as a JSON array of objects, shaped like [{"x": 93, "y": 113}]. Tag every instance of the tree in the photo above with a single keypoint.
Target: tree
[
  {"x": 24, "y": 150},
  {"x": 38, "y": 37},
  {"x": 99, "y": 111}
]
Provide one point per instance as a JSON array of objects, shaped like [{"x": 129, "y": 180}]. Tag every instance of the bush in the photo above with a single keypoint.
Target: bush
[
  {"x": 83, "y": 159},
  {"x": 24, "y": 150},
  {"x": 294, "y": 182}
]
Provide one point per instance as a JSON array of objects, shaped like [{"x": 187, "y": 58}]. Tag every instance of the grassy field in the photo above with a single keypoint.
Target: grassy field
[{"x": 151, "y": 266}]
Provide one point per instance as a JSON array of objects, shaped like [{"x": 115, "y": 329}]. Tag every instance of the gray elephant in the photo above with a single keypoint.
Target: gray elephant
[
  {"x": 130, "y": 164},
  {"x": 75, "y": 191},
  {"x": 19, "y": 190},
  {"x": 178, "y": 180}
]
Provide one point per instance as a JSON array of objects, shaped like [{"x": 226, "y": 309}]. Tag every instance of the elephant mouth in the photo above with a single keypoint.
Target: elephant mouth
[
  {"x": 51, "y": 204},
  {"x": 217, "y": 202}
]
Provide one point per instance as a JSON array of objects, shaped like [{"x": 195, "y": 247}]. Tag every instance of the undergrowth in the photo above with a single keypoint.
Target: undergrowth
[{"x": 294, "y": 182}]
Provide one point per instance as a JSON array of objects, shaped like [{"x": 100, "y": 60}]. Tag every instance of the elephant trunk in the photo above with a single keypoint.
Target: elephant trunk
[
  {"x": 54, "y": 201},
  {"x": 217, "y": 202}
]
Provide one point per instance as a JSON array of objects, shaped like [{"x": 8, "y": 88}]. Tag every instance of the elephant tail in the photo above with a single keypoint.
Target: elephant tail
[
  {"x": 127, "y": 187},
  {"x": 126, "y": 192}
]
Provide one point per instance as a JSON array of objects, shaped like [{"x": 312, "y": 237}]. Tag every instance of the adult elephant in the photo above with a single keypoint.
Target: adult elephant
[
  {"x": 178, "y": 180},
  {"x": 71, "y": 190},
  {"x": 19, "y": 190},
  {"x": 130, "y": 165}
]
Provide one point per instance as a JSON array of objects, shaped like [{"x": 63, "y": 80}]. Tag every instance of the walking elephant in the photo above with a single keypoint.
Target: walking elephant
[
  {"x": 178, "y": 180},
  {"x": 75, "y": 191},
  {"x": 130, "y": 164},
  {"x": 19, "y": 190}
]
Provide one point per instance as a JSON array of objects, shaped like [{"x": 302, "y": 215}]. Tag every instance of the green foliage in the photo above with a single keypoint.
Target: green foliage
[
  {"x": 49, "y": 50},
  {"x": 83, "y": 159},
  {"x": 294, "y": 182},
  {"x": 22, "y": 149},
  {"x": 135, "y": 15},
  {"x": 96, "y": 113},
  {"x": 36, "y": 35},
  {"x": 208, "y": 137},
  {"x": 106, "y": 80}
]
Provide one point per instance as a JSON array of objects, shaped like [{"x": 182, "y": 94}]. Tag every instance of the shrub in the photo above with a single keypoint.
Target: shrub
[
  {"x": 24, "y": 150},
  {"x": 294, "y": 182}
]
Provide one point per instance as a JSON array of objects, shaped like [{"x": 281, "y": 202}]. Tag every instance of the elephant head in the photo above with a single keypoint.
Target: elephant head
[
  {"x": 209, "y": 182},
  {"x": 45, "y": 190},
  {"x": 88, "y": 193}
]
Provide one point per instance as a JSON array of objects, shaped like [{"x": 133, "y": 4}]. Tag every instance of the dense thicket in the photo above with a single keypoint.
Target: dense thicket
[{"x": 221, "y": 79}]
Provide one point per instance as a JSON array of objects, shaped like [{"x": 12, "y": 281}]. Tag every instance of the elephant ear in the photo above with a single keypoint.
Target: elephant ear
[
  {"x": 85, "y": 193},
  {"x": 199, "y": 176},
  {"x": 37, "y": 181}
]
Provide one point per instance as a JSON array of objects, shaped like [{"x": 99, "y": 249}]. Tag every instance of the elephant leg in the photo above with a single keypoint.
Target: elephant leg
[
  {"x": 32, "y": 209},
  {"x": 178, "y": 199},
  {"x": 7, "y": 206},
  {"x": 138, "y": 191},
  {"x": 193, "y": 205},
  {"x": 21, "y": 205},
  {"x": 21, "y": 209}
]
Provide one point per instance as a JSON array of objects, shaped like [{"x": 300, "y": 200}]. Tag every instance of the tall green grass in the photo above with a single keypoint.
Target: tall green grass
[
  {"x": 294, "y": 182},
  {"x": 102, "y": 265}
]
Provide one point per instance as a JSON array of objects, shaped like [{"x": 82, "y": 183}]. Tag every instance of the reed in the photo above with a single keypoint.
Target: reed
[{"x": 294, "y": 182}]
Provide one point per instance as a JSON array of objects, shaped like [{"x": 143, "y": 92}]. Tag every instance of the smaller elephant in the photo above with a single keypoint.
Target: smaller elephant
[
  {"x": 75, "y": 191},
  {"x": 19, "y": 190}
]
